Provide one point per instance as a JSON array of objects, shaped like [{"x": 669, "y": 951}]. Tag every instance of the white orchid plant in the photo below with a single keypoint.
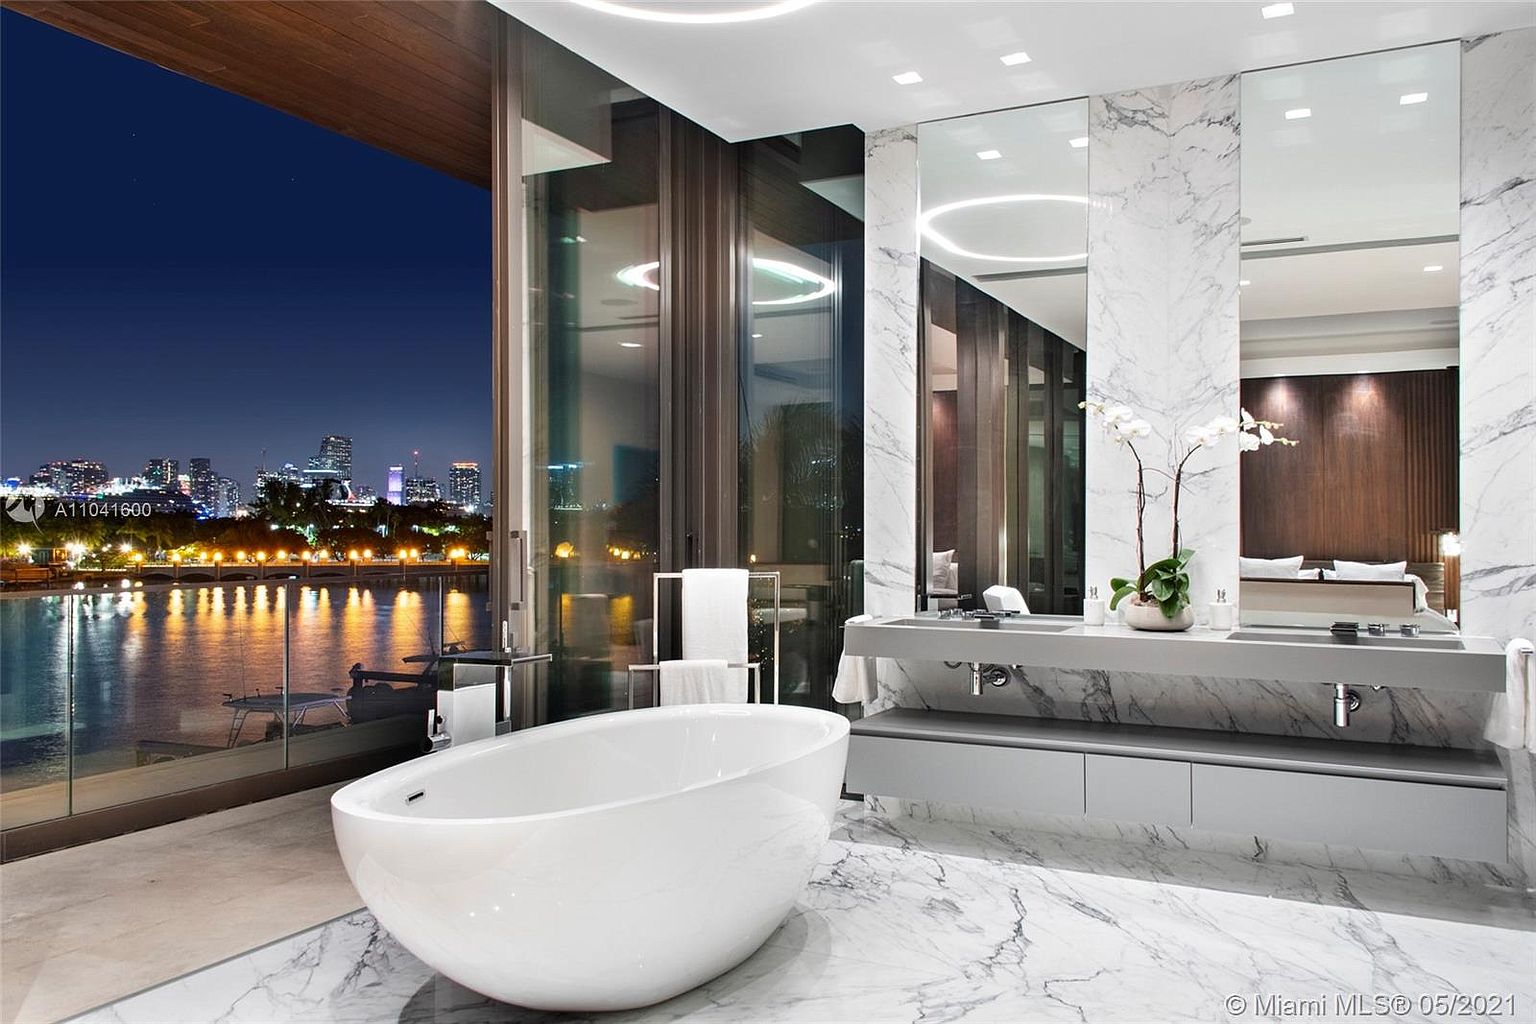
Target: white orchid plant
[{"x": 1166, "y": 582}]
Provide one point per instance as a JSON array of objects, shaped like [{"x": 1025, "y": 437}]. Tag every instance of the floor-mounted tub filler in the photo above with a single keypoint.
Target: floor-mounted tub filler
[{"x": 603, "y": 863}]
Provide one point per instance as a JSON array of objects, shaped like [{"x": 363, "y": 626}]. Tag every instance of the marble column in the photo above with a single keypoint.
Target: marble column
[
  {"x": 1498, "y": 334},
  {"x": 890, "y": 385},
  {"x": 1498, "y": 366},
  {"x": 1163, "y": 320}
]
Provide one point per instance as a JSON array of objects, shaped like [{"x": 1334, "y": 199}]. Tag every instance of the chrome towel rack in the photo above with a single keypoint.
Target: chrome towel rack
[{"x": 755, "y": 667}]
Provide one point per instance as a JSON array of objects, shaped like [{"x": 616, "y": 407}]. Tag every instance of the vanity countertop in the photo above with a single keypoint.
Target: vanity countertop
[{"x": 1428, "y": 662}]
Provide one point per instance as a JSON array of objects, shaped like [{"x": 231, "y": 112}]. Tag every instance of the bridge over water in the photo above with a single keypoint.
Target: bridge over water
[{"x": 202, "y": 572}]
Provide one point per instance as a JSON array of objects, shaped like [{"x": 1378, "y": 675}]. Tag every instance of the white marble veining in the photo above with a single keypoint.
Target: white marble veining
[
  {"x": 890, "y": 382},
  {"x": 1162, "y": 319},
  {"x": 1498, "y": 334},
  {"x": 1498, "y": 363},
  {"x": 908, "y": 921}
]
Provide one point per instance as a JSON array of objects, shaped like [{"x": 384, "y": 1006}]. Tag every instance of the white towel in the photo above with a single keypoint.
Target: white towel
[
  {"x": 856, "y": 676},
  {"x": 1004, "y": 599},
  {"x": 1512, "y": 714},
  {"x": 702, "y": 681},
  {"x": 715, "y": 614}
]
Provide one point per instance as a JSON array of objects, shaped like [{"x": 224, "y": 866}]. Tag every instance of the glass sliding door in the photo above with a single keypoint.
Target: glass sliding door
[
  {"x": 801, "y": 393},
  {"x": 594, "y": 280},
  {"x": 1043, "y": 542}
]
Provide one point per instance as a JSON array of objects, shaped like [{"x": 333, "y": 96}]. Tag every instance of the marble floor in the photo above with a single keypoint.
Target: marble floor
[{"x": 926, "y": 921}]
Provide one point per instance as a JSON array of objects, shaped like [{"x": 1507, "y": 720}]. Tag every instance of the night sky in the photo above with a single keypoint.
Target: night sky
[{"x": 188, "y": 273}]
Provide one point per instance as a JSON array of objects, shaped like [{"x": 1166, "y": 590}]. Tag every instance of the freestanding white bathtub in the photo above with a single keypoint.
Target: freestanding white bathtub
[{"x": 599, "y": 864}]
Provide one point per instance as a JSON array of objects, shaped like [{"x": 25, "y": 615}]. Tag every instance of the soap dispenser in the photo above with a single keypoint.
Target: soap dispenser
[
  {"x": 1093, "y": 608},
  {"x": 1221, "y": 612}
]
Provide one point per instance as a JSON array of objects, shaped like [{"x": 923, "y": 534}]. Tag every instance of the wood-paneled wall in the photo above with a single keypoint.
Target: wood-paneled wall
[
  {"x": 1374, "y": 477},
  {"x": 413, "y": 77}
]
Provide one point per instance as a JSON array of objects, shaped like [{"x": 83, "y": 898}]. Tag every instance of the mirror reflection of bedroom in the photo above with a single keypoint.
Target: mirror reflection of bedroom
[
  {"x": 1349, "y": 304},
  {"x": 1003, "y": 318}
]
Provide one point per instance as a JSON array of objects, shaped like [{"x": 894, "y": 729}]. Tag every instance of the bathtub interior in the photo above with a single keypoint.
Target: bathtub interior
[{"x": 601, "y": 760}]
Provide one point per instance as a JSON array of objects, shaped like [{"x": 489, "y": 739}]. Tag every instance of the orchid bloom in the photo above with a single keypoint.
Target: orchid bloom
[
  {"x": 1251, "y": 434},
  {"x": 1120, "y": 422}
]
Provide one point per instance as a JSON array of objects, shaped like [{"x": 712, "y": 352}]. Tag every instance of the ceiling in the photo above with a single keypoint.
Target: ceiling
[
  {"x": 1363, "y": 166},
  {"x": 1367, "y": 186},
  {"x": 413, "y": 77},
  {"x": 1351, "y": 214},
  {"x": 832, "y": 63},
  {"x": 1034, "y": 156}
]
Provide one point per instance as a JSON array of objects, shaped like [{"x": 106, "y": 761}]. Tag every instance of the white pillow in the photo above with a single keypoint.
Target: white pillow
[
  {"x": 1309, "y": 574},
  {"x": 1370, "y": 570},
  {"x": 939, "y": 569},
  {"x": 1269, "y": 568}
]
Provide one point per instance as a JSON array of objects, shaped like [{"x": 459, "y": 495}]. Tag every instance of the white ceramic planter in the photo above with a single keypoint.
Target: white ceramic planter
[{"x": 1151, "y": 617}]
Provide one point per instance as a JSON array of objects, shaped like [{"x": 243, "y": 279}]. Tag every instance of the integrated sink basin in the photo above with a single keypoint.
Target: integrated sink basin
[
  {"x": 1018, "y": 625},
  {"x": 1289, "y": 654},
  {"x": 1423, "y": 643}
]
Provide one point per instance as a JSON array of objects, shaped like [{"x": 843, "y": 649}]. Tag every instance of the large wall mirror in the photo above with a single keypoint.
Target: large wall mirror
[
  {"x": 1004, "y": 227},
  {"x": 1349, "y": 286}
]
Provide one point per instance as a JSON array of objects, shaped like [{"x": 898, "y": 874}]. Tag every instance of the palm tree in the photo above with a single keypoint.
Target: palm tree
[
  {"x": 283, "y": 502},
  {"x": 318, "y": 511}
]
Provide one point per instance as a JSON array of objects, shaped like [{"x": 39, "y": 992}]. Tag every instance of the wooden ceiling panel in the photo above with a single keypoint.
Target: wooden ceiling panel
[{"x": 414, "y": 77}]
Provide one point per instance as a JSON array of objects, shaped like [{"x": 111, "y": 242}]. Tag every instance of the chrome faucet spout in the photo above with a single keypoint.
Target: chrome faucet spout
[
  {"x": 437, "y": 736},
  {"x": 1345, "y": 703}
]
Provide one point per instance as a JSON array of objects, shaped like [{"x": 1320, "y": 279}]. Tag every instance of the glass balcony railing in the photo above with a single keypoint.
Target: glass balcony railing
[{"x": 109, "y": 697}]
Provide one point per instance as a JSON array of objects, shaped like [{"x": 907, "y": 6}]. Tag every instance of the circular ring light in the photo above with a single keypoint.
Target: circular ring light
[
  {"x": 625, "y": 10},
  {"x": 927, "y": 217},
  {"x": 816, "y": 286},
  {"x": 639, "y": 275}
]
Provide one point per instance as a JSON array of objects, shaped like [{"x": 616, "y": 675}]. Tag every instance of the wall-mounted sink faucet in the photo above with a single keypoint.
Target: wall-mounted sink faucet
[
  {"x": 1345, "y": 703},
  {"x": 997, "y": 675}
]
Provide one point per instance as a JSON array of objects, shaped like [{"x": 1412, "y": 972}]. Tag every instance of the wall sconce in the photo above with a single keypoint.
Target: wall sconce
[{"x": 1450, "y": 544}]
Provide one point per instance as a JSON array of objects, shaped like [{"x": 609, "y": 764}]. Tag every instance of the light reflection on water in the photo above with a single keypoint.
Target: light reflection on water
[{"x": 157, "y": 665}]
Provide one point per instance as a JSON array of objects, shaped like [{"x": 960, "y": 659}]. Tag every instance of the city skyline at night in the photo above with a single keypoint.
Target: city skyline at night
[{"x": 191, "y": 274}]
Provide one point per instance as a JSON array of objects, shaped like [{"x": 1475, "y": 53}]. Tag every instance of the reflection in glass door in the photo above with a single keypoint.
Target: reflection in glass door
[
  {"x": 801, "y": 394},
  {"x": 594, "y": 262}
]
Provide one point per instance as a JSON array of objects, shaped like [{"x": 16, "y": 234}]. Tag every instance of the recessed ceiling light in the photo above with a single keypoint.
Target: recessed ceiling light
[
  {"x": 1244, "y": 283},
  {"x": 1018, "y": 57},
  {"x": 772, "y": 10},
  {"x": 1277, "y": 10},
  {"x": 1081, "y": 142},
  {"x": 1433, "y": 268},
  {"x": 988, "y": 154},
  {"x": 1298, "y": 113},
  {"x": 907, "y": 78},
  {"x": 1410, "y": 98},
  {"x": 629, "y": 344},
  {"x": 757, "y": 335}
]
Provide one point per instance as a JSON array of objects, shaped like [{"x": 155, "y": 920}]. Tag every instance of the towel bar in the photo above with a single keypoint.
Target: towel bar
[{"x": 754, "y": 667}]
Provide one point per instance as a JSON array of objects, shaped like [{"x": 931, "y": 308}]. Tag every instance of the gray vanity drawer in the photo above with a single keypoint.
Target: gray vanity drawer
[
  {"x": 1012, "y": 778},
  {"x": 1137, "y": 789},
  {"x": 1406, "y": 817}
]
